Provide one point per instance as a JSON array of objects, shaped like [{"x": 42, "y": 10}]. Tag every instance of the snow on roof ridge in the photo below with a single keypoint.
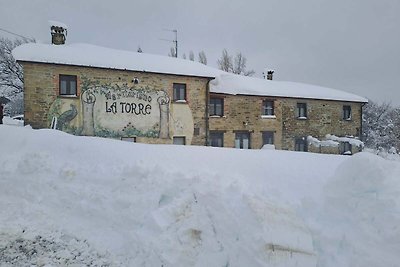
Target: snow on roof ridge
[{"x": 89, "y": 55}]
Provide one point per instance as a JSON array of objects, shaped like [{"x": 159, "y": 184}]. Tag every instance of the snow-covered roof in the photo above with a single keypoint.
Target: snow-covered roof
[
  {"x": 96, "y": 56},
  {"x": 225, "y": 83}
]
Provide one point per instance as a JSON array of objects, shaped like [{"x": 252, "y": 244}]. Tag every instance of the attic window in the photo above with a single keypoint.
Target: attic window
[{"x": 68, "y": 85}]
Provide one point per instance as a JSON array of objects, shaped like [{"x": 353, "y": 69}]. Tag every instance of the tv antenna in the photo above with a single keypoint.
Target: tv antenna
[{"x": 175, "y": 41}]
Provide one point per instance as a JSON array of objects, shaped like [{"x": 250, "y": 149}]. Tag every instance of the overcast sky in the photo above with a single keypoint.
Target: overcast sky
[{"x": 351, "y": 45}]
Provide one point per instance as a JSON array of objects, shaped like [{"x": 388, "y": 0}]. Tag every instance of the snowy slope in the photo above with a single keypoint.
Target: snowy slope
[{"x": 73, "y": 200}]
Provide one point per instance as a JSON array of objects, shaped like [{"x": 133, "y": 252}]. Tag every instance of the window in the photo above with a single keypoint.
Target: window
[
  {"x": 179, "y": 140},
  {"x": 216, "y": 106},
  {"x": 347, "y": 113},
  {"x": 302, "y": 110},
  {"x": 268, "y": 108},
  {"x": 179, "y": 91},
  {"x": 300, "y": 144},
  {"x": 242, "y": 140},
  {"x": 68, "y": 85},
  {"x": 345, "y": 148},
  {"x": 216, "y": 139},
  {"x": 268, "y": 138}
]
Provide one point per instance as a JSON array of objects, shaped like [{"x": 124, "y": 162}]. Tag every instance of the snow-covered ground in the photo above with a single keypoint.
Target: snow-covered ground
[{"x": 85, "y": 201}]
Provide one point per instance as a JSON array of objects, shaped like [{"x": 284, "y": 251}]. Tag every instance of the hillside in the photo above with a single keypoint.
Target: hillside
[{"x": 68, "y": 200}]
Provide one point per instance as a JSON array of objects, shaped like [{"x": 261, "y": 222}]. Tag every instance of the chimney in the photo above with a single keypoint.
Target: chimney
[
  {"x": 270, "y": 74},
  {"x": 58, "y": 32}
]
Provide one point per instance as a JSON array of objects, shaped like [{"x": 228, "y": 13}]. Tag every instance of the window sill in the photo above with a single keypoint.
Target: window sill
[
  {"x": 217, "y": 116},
  {"x": 302, "y": 118},
  {"x": 68, "y": 96},
  {"x": 349, "y": 119},
  {"x": 268, "y": 117},
  {"x": 182, "y": 101}
]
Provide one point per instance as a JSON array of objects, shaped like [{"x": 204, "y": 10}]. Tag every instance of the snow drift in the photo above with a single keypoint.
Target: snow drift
[{"x": 67, "y": 200}]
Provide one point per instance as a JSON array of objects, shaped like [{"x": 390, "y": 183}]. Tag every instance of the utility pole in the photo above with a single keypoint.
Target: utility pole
[{"x": 175, "y": 41}]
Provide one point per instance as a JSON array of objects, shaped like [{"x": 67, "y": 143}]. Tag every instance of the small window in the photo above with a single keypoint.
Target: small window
[
  {"x": 216, "y": 139},
  {"x": 68, "y": 85},
  {"x": 347, "y": 113},
  {"x": 302, "y": 110},
  {"x": 216, "y": 106},
  {"x": 268, "y": 138},
  {"x": 242, "y": 140},
  {"x": 179, "y": 140},
  {"x": 268, "y": 108},
  {"x": 300, "y": 144},
  {"x": 345, "y": 148},
  {"x": 179, "y": 92}
]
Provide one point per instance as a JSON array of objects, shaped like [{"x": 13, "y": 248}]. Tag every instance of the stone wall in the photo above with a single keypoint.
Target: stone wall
[
  {"x": 323, "y": 117},
  {"x": 244, "y": 113},
  {"x": 42, "y": 92}
]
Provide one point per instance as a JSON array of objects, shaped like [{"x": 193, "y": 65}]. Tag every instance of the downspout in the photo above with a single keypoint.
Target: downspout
[
  {"x": 361, "y": 122},
  {"x": 206, "y": 110}
]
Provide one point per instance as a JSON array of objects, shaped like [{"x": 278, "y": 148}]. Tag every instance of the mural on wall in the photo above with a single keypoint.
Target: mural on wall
[{"x": 114, "y": 111}]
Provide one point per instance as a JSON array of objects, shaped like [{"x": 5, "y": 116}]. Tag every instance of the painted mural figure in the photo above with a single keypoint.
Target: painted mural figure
[
  {"x": 88, "y": 101},
  {"x": 163, "y": 101},
  {"x": 66, "y": 117}
]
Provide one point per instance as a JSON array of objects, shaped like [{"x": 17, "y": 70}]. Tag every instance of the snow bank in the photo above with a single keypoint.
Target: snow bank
[
  {"x": 164, "y": 205},
  {"x": 351, "y": 140}
]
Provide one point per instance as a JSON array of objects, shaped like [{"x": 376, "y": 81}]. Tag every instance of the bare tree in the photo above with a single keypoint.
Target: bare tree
[
  {"x": 191, "y": 55},
  {"x": 202, "y": 58},
  {"x": 225, "y": 62},
  {"x": 11, "y": 74},
  {"x": 239, "y": 66}
]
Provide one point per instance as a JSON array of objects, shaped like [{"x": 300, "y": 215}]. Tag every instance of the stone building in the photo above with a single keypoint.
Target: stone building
[{"x": 94, "y": 91}]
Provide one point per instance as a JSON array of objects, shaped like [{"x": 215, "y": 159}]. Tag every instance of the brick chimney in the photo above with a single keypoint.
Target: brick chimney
[{"x": 58, "y": 32}]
